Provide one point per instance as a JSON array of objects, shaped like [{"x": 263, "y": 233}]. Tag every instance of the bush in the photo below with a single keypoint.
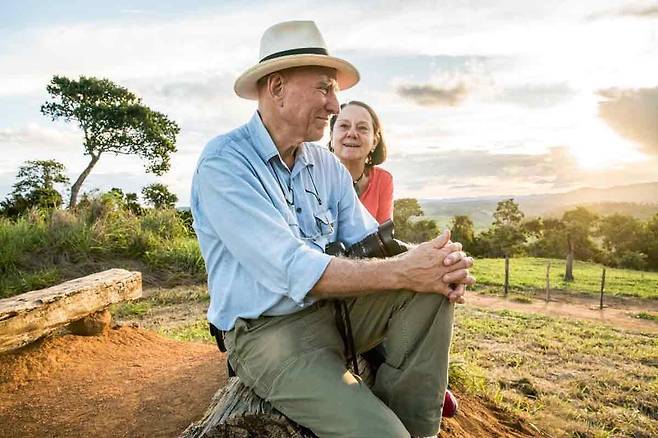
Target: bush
[{"x": 45, "y": 247}]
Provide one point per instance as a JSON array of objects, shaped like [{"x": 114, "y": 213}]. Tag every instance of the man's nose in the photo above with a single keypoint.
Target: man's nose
[{"x": 332, "y": 103}]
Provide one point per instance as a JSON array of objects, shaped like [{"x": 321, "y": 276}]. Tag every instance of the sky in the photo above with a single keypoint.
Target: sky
[{"x": 477, "y": 98}]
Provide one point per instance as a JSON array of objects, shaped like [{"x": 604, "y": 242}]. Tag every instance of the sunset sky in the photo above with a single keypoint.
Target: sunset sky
[{"x": 476, "y": 97}]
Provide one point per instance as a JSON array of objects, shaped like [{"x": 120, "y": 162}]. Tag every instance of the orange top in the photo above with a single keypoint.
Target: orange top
[{"x": 378, "y": 196}]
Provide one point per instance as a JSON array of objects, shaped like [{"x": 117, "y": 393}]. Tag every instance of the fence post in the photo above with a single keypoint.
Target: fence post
[
  {"x": 506, "y": 275},
  {"x": 548, "y": 282},
  {"x": 602, "y": 288}
]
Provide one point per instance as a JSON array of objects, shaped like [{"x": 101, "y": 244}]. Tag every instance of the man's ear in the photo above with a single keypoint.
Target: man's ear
[{"x": 276, "y": 84}]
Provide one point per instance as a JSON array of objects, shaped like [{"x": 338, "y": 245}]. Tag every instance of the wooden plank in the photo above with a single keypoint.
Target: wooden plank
[{"x": 27, "y": 317}]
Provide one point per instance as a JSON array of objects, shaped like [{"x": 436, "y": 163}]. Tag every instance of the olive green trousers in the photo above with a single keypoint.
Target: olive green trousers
[{"x": 296, "y": 362}]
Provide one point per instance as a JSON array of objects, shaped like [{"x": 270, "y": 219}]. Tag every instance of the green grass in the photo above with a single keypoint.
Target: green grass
[
  {"x": 529, "y": 274},
  {"x": 42, "y": 249},
  {"x": 196, "y": 331},
  {"x": 160, "y": 300},
  {"x": 131, "y": 308},
  {"x": 647, "y": 315},
  {"x": 570, "y": 378}
]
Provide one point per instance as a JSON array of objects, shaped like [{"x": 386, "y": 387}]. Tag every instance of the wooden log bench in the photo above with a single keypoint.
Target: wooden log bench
[
  {"x": 237, "y": 412},
  {"x": 82, "y": 304}
]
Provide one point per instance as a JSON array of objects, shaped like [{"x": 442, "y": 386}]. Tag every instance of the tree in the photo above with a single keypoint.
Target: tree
[
  {"x": 623, "y": 237},
  {"x": 128, "y": 201},
  {"x": 550, "y": 238},
  {"x": 506, "y": 236},
  {"x": 405, "y": 208},
  {"x": 462, "y": 231},
  {"x": 112, "y": 120},
  {"x": 507, "y": 213},
  {"x": 650, "y": 245},
  {"x": 35, "y": 187},
  {"x": 578, "y": 224},
  {"x": 408, "y": 227},
  {"x": 421, "y": 231},
  {"x": 159, "y": 196}
]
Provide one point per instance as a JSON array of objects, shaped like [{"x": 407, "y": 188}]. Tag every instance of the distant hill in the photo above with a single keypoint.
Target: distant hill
[{"x": 638, "y": 200}]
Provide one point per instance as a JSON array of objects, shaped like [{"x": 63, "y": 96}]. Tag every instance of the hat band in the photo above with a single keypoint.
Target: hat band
[{"x": 302, "y": 51}]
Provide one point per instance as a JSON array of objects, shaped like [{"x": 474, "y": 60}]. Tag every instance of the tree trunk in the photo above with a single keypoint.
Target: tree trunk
[
  {"x": 568, "y": 275},
  {"x": 236, "y": 412},
  {"x": 75, "y": 188}
]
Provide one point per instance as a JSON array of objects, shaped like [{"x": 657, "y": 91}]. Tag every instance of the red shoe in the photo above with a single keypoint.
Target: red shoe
[{"x": 450, "y": 405}]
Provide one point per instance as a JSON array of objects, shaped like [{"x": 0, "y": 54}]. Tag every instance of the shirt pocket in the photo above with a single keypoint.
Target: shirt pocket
[{"x": 324, "y": 220}]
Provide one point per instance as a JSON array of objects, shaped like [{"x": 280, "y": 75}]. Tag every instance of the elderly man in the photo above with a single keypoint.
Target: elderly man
[{"x": 266, "y": 204}]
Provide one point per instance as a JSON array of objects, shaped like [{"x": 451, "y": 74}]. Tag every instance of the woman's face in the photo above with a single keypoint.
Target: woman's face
[{"x": 353, "y": 136}]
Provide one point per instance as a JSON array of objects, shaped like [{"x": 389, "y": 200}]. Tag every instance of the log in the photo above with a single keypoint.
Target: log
[
  {"x": 27, "y": 317},
  {"x": 237, "y": 412}
]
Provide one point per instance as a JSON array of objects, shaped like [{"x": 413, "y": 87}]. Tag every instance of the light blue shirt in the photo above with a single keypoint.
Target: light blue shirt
[{"x": 262, "y": 227}]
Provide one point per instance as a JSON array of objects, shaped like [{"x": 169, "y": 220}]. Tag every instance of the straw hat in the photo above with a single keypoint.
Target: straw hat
[{"x": 293, "y": 44}]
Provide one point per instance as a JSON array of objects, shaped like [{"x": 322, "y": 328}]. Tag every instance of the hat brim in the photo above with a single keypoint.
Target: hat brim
[{"x": 246, "y": 85}]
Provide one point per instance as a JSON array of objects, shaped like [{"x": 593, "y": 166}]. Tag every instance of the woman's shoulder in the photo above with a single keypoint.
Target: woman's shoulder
[{"x": 382, "y": 174}]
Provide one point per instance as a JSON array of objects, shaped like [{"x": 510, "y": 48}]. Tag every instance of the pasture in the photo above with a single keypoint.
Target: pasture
[{"x": 528, "y": 274}]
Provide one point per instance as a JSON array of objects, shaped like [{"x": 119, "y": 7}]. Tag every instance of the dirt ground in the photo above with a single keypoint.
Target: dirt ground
[
  {"x": 128, "y": 383},
  {"x": 132, "y": 382}
]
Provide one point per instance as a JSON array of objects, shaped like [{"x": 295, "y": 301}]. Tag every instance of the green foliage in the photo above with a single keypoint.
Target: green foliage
[
  {"x": 548, "y": 238},
  {"x": 650, "y": 243},
  {"x": 461, "y": 228},
  {"x": 43, "y": 248},
  {"x": 506, "y": 235},
  {"x": 409, "y": 225},
  {"x": 35, "y": 188},
  {"x": 648, "y": 316},
  {"x": 159, "y": 196},
  {"x": 128, "y": 200},
  {"x": 507, "y": 214},
  {"x": 113, "y": 120},
  {"x": 579, "y": 225}
]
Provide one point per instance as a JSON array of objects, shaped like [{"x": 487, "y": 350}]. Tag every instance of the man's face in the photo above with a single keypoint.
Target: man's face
[{"x": 309, "y": 100}]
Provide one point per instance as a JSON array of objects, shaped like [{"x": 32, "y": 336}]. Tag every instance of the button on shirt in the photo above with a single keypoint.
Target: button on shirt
[{"x": 263, "y": 227}]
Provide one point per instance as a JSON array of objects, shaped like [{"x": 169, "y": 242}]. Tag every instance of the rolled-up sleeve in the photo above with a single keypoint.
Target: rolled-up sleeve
[{"x": 238, "y": 210}]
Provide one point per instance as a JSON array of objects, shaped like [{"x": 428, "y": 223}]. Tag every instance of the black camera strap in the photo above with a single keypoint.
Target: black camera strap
[{"x": 344, "y": 326}]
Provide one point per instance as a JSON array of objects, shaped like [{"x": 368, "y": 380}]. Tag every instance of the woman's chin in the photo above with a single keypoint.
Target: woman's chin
[{"x": 349, "y": 158}]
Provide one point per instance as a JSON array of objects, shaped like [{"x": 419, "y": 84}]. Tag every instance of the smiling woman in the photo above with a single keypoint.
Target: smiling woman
[{"x": 357, "y": 140}]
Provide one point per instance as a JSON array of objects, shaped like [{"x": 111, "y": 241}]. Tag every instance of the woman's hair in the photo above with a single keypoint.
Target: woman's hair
[{"x": 378, "y": 155}]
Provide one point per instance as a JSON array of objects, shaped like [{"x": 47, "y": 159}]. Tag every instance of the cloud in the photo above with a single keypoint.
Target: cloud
[
  {"x": 39, "y": 136},
  {"x": 633, "y": 113},
  {"x": 209, "y": 89},
  {"x": 537, "y": 95},
  {"x": 637, "y": 11},
  {"x": 465, "y": 173},
  {"x": 432, "y": 95},
  {"x": 462, "y": 172}
]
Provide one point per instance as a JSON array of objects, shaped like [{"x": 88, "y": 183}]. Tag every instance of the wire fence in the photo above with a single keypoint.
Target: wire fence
[{"x": 535, "y": 275}]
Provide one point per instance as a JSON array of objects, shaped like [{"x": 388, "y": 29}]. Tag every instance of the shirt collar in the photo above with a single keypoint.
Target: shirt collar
[
  {"x": 265, "y": 145},
  {"x": 262, "y": 140}
]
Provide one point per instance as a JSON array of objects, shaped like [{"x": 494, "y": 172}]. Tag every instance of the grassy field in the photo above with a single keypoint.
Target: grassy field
[
  {"x": 566, "y": 377},
  {"x": 41, "y": 250},
  {"x": 528, "y": 274}
]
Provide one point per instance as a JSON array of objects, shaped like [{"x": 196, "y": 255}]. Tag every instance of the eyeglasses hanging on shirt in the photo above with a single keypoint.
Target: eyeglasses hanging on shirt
[{"x": 324, "y": 226}]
